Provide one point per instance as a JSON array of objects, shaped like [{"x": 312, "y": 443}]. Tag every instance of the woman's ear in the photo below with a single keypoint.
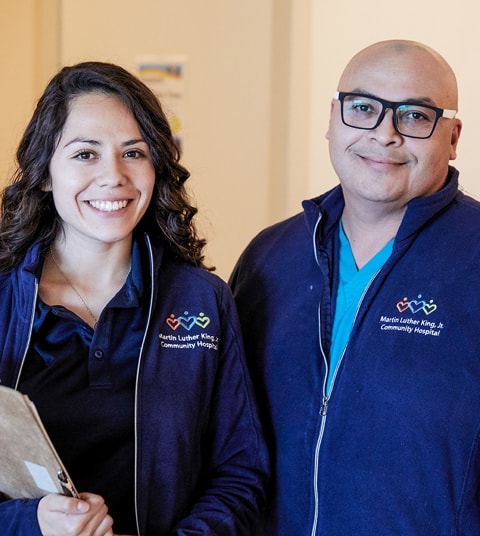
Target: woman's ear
[{"x": 46, "y": 185}]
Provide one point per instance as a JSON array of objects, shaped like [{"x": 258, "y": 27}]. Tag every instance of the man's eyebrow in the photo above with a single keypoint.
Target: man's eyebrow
[
  {"x": 412, "y": 100},
  {"x": 420, "y": 100}
]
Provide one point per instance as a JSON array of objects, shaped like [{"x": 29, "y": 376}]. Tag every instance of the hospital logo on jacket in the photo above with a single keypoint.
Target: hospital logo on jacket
[
  {"x": 413, "y": 316},
  {"x": 187, "y": 321},
  {"x": 187, "y": 332},
  {"x": 416, "y": 306}
]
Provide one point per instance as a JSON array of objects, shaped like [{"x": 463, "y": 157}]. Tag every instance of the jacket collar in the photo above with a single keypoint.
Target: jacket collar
[
  {"x": 29, "y": 271},
  {"x": 323, "y": 213},
  {"x": 422, "y": 209}
]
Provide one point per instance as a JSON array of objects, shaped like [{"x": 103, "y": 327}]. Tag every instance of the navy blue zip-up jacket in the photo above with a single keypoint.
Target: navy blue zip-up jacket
[
  {"x": 201, "y": 462},
  {"x": 395, "y": 448}
]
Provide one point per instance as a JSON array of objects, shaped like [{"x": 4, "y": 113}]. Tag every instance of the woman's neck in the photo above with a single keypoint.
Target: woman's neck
[{"x": 84, "y": 281}]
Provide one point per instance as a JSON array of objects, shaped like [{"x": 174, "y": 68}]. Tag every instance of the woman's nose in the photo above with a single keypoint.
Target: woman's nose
[{"x": 113, "y": 172}]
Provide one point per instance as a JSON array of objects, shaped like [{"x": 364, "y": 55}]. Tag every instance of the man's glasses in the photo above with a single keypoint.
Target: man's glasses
[{"x": 409, "y": 118}]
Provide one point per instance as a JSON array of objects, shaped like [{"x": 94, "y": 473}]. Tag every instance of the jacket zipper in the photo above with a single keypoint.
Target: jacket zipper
[
  {"x": 324, "y": 407},
  {"x": 137, "y": 383},
  {"x": 30, "y": 329},
  {"x": 323, "y": 415},
  {"x": 326, "y": 397}
]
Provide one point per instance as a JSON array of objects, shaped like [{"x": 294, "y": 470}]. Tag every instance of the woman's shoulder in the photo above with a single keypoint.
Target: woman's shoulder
[{"x": 187, "y": 274}]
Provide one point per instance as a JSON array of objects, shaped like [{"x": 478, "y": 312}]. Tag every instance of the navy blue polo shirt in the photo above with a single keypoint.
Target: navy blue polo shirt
[{"x": 82, "y": 382}]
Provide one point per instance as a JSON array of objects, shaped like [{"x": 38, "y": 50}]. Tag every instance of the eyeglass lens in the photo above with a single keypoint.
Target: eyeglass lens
[{"x": 410, "y": 119}]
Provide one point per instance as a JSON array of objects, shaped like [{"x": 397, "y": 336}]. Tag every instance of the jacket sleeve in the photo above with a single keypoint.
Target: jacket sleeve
[
  {"x": 232, "y": 497},
  {"x": 18, "y": 517}
]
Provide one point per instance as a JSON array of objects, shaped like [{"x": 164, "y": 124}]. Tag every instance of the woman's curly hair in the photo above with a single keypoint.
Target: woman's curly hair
[{"x": 28, "y": 215}]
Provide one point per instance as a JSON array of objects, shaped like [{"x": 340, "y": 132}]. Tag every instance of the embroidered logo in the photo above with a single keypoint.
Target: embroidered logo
[
  {"x": 416, "y": 306},
  {"x": 187, "y": 321},
  {"x": 413, "y": 318},
  {"x": 173, "y": 337}
]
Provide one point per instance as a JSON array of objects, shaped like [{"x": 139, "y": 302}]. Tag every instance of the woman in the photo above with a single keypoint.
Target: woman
[{"x": 127, "y": 345}]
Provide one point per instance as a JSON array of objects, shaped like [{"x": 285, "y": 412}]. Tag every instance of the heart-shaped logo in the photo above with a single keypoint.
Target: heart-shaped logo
[
  {"x": 202, "y": 320},
  {"x": 187, "y": 321},
  {"x": 416, "y": 306},
  {"x": 402, "y": 305},
  {"x": 429, "y": 308},
  {"x": 173, "y": 323}
]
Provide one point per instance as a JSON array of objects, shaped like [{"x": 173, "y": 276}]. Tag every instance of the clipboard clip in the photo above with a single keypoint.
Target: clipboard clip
[{"x": 67, "y": 485}]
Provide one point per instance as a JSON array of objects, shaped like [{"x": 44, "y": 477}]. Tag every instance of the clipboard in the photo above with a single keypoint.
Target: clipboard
[{"x": 29, "y": 464}]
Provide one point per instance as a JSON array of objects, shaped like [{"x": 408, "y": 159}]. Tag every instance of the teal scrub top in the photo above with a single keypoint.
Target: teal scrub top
[{"x": 352, "y": 283}]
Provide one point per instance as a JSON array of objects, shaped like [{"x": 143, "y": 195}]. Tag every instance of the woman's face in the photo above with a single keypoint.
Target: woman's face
[{"x": 101, "y": 173}]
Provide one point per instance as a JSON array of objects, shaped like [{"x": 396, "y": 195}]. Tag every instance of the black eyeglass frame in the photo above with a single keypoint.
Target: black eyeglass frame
[{"x": 439, "y": 112}]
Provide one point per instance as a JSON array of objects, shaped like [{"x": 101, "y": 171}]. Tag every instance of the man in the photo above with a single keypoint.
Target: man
[{"x": 360, "y": 318}]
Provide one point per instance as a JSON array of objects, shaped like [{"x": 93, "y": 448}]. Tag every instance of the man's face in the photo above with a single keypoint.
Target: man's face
[{"x": 380, "y": 165}]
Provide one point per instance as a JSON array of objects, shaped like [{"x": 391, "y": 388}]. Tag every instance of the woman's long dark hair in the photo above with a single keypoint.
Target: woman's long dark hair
[{"x": 28, "y": 213}]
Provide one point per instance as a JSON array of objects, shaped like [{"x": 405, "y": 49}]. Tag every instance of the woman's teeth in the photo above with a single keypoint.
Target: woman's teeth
[{"x": 108, "y": 206}]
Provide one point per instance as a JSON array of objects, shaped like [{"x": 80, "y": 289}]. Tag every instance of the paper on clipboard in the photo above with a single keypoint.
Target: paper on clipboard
[{"x": 29, "y": 464}]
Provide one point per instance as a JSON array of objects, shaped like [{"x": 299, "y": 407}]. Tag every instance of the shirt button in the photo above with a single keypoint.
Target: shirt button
[{"x": 98, "y": 354}]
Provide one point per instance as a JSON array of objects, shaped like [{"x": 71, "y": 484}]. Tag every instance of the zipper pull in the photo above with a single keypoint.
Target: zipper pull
[{"x": 323, "y": 409}]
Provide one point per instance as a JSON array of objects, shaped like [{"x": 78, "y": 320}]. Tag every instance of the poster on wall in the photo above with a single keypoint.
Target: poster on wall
[{"x": 165, "y": 76}]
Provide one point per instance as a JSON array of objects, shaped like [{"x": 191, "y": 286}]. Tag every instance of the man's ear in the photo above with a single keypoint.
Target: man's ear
[
  {"x": 454, "y": 138},
  {"x": 327, "y": 134}
]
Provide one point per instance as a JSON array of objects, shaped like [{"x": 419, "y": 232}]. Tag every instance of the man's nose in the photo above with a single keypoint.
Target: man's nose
[{"x": 386, "y": 129}]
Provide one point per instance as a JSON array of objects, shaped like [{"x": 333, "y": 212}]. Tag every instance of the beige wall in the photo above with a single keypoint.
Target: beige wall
[
  {"x": 17, "y": 62},
  {"x": 28, "y": 55},
  {"x": 260, "y": 74}
]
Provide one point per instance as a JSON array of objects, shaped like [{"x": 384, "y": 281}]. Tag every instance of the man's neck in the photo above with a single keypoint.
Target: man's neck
[{"x": 369, "y": 233}]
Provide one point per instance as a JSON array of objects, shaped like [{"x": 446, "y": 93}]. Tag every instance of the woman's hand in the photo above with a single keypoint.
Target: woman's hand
[{"x": 67, "y": 516}]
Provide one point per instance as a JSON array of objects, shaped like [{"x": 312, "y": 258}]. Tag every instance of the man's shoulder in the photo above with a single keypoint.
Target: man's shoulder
[
  {"x": 281, "y": 236},
  {"x": 467, "y": 202},
  {"x": 297, "y": 231},
  {"x": 464, "y": 211}
]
